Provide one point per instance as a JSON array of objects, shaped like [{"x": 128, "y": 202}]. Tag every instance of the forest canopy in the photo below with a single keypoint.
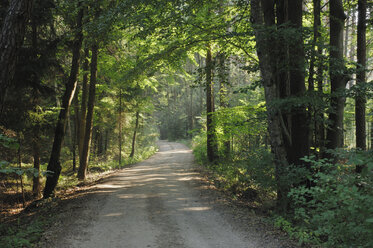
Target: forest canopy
[{"x": 273, "y": 96}]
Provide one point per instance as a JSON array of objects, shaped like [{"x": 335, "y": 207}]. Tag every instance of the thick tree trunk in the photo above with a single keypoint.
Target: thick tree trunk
[
  {"x": 299, "y": 117},
  {"x": 134, "y": 135},
  {"x": 337, "y": 78},
  {"x": 54, "y": 162},
  {"x": 83, "y": 166},
  {"x": 11, "y": 39},
  {"x": 264, "y": 15},
  {"x": 360, "y": 76},
  {"x": 360, "y": 79},
  {"x": 210, "y": 109}
]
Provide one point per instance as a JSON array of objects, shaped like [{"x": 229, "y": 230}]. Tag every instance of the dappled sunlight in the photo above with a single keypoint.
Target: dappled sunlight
[
  {"x": 196, "y": 209},
  {"x": 109, "y": 186},
  {"x": 113, "y": 215},
  {"x": 140, "y": 196}
]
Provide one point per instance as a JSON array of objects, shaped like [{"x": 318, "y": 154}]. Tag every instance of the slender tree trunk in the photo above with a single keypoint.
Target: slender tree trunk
[
  {"x": 54, "y": 162},
  {"x": 311, "y": 75},
  {"x": 319, "y": 112},
  {"x": 337, "y": 79},
  {"x": 20, "y": 167},
  {"x": 134, "y": 135},
  {"x": 223, "y": 92},
  {"x": 360, "y": 79},
  {"x": 210, "y": 109},
  {"x": 36, "y": 155},
  {"x": 83, "y": 166},
  {"x": 83, "y": 115},
  {"x": 11, "y": 39},
  {"x": 120, "y": 126},
  {"x": 76, "y": 128}
]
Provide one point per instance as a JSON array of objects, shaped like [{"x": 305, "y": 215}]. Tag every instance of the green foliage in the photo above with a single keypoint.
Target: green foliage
[
  {"x": 337, "y": 210},
  {"x": 21, "y": 236}
]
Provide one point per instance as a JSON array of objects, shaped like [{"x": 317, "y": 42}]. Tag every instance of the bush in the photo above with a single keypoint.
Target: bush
[{"x": 338, "y": 209}]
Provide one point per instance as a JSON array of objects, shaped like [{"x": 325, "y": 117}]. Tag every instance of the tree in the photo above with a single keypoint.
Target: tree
[
  {"x": 83, "y": 165},
  {"x": 134, "y": 134},
  {"x": 360, "y": 100},
  {"x": 210, "y": 108},
  {"x": 11, "y": 39},
  {"x": 54, "y": 164},
  {"x": 338, "y": 78}
]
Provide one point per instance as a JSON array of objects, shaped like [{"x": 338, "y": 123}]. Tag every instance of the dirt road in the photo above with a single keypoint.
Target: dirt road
[{"x": 161, "y": 203}]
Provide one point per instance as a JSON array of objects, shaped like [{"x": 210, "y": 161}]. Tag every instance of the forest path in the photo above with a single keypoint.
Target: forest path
[{"x": 160, "y": 202}]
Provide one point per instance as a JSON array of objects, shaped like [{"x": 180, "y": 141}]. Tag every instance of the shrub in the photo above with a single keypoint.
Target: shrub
[{"x": 338, "y": 209}]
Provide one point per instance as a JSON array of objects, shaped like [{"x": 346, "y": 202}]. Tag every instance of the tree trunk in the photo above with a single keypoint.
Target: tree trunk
[
  {"x": 210, "y": 109},
  {"x": 299, "y": 117},
  {"x": 83, "y": 115},
  {"x": 11, "y": 39},
  {"x": 319, "y": 112},
  {"x": 36, "y": 155},
  {"x": 83, "y": 166},
  {"x": 360, "y": 76},
  {"x": 76, "y": 127},
  {"x": 223, "y": 92},
  {"x": 120, "y": 126},
  {"x": 360, "y": 79},
  {"x": 54, "y": 162},
  {"x": 264, "y": 15},
  {"x": 134, "y": 135},
  {"x": 337, "y": 78}
]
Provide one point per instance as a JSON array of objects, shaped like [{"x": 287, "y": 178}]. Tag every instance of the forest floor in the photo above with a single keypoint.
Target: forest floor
[{"x": 161, "y": 202}]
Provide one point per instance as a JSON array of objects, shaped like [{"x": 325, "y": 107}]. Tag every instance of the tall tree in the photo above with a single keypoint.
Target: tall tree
[
  {"x": 11, "y": 39},
  {"x": 54, "y": 162},
  {"x": 299, "y": 130},
  {"x": 83, "y": 108},
  {"x": 83, "y": 166},
  {"x": 210, "y": 108},
  {"x": 263, "y": 15},
  {"x": 337, "y": 71},
  {"x": 360, "y": 76}
]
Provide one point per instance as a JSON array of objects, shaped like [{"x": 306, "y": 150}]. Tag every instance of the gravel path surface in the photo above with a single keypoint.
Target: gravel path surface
[{"x": 162, "y": 203}]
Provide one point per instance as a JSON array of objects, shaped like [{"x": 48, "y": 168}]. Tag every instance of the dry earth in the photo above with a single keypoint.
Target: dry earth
[{"x": 161, "y": 202}]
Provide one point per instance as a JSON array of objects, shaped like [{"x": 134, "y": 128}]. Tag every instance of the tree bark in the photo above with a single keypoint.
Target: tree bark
[
  {"x": 337, "y": 78},
  {"x": 360, "y": 76},
  {"x": 223, "y": 75},
  {"x": 36, "y": 155},
  {"x": 54, "y": 162},
  {"x": 360, "y": 79},
  {"x": 83, "y": 108},
  {"x": 83, "y": 166},
  {"x": 210, "y": 109},
  {"x": 262, "y": 13},
  {"x": 120, "y": 126},
  {"x": 299, "y": 117},
  {"x": 11, "y": 39},
  {"x": 319, "y": 112},
  {"x": 134, "y": 135}
]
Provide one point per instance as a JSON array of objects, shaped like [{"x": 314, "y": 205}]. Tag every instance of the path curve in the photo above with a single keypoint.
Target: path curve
[{"x": 158, "y": 203}]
